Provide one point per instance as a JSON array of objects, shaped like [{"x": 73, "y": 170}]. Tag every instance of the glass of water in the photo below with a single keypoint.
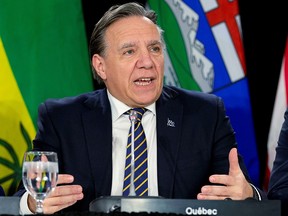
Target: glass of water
[{"x": 40, "y": 175}]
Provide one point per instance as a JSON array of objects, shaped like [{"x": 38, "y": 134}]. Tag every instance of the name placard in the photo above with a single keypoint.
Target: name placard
[
  {"x": 9, "y": 205},
  {"x": 187, "y": 206}
]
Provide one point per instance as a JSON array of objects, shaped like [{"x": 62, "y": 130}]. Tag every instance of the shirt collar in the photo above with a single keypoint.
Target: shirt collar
[{"x": 118, "y": 107}]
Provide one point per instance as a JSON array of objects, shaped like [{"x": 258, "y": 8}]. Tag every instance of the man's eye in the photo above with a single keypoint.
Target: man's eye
[
  {"x": 129, "y": 52},
  {"x": 156, "y": 49}
]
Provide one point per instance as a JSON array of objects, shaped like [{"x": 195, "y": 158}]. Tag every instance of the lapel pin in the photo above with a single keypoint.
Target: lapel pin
[{"x": 170, "y": 123}]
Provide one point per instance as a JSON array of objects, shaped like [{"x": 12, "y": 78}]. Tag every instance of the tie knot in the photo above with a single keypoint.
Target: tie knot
[
  {"x": 140, "y": 111},
  {"x": 136, "y": 113}
]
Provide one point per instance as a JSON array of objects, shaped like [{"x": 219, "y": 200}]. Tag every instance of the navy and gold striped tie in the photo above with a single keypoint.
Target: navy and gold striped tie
[{"x": 140, "y": 159}]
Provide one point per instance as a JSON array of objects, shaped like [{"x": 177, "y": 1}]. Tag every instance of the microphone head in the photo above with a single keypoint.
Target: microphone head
[{"x": 133, "y": 116}]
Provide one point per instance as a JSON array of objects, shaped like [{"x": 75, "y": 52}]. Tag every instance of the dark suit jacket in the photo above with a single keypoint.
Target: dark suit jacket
[
  {"x": 278, "y": 184},
  {"x": 2, "y": 193},
  {"x": 79, "y": 129}
]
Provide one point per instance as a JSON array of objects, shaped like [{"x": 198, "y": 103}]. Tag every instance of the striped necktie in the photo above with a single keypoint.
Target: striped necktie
[{"x": 140, "y": 159}]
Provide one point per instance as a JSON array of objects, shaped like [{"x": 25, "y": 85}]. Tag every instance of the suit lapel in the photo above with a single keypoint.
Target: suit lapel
[
  {"x": 98, "y": 132},
  {"x": 169, "y": 124}
]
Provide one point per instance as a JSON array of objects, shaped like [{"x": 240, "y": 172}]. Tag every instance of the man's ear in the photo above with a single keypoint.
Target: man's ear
[{"x": 99, "y": 66}]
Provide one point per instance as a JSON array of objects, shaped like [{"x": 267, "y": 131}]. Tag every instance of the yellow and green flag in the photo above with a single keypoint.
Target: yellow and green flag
[{"x": 43, "y": 54}]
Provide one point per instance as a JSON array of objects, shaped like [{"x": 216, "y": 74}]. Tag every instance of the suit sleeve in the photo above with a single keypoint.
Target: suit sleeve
[{"x": 278, "y": 184}]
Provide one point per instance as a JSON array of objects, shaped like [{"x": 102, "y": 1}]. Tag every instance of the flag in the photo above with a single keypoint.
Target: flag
[
  {"x": 280, "y": 106},
  {"x": 43, "y": 54},
  {"x": 205, "y": 53}
]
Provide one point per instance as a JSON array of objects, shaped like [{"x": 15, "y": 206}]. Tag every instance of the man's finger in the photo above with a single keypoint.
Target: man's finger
[
  {"x": 66, "y": 190},
  {"x": 65, "y": 179},
  {"x": 234, "y": 167}
]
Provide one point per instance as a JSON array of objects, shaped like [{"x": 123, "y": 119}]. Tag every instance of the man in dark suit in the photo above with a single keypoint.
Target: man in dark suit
[
  {"x": 278, "y": 183},
  {"x": 191, "y": 144}
]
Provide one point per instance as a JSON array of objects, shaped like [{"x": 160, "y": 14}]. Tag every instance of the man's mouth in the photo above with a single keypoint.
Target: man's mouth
[{"x": 143, "y": 81}]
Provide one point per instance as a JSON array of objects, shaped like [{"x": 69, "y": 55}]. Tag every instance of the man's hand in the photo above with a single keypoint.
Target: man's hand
[
  {"x": 236, "y": 187},
  {"x": 61, "y": 197}
]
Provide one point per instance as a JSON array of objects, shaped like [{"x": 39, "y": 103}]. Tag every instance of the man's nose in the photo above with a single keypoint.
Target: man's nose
[{"x": 145, "y": 60}]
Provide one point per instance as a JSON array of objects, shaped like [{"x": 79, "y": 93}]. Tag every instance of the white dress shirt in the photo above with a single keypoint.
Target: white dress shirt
[
  {"x": 121, "y": 125},
  {"x": 120, "y": 130}
]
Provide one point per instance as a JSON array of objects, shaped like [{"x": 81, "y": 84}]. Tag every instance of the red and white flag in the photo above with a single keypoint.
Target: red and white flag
[{"x": 280, "y": 106}]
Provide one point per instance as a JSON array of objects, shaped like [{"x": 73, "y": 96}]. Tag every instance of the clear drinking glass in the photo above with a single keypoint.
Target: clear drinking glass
[{"x": 40, "y": 175}]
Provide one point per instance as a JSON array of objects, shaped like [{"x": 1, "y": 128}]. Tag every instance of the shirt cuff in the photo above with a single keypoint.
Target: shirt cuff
[
  {"x": 24, "y": 209},
  {"x": 256, "y": 194}
]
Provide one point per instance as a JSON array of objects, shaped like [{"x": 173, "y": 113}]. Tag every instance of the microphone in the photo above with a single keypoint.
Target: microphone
[{"x": 132, "y": 117}]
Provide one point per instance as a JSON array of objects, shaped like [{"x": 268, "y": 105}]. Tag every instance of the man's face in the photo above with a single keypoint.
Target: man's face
[{"x": 133, "y": 66}]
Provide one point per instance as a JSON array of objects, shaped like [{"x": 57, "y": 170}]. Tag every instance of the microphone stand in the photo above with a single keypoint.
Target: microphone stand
[{"x": 132, "y": 117}]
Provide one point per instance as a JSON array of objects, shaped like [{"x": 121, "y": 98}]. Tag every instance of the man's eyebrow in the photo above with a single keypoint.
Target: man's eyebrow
[
  {"x": 155, "y": 42},
  {"x": 133, "y": 44},
  {"x": 127, "y": 45}
]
